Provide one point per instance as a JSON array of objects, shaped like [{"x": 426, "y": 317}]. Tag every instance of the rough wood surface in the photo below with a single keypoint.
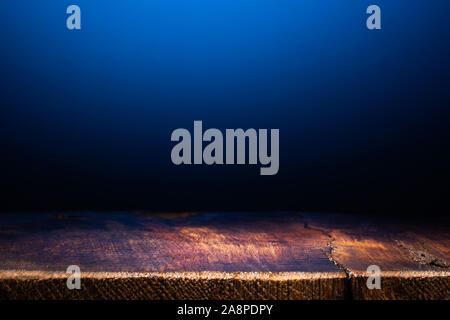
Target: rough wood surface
[
  {"x": 413, "y": 257},
  {"x": 220, "y": 256},
  {"x": 178, "y": 285}
]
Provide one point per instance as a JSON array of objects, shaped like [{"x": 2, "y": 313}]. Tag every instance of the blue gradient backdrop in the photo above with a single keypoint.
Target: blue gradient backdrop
[{"x": 86, "y": 116}]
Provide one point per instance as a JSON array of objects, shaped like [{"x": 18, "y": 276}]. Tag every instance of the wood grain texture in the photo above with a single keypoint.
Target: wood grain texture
[
  {"x": 179, "y": 285},
  {"x": 153, "y": 243},
  {"x": 219, "y": 256},
  {"x": 413, "y": 258}
]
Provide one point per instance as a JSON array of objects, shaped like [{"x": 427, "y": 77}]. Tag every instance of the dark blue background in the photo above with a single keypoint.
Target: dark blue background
[{"x": 86, "y": 116}]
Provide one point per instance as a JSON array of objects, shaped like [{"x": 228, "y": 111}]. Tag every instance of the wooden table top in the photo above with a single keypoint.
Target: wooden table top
[{"x": 286, "y": 255}]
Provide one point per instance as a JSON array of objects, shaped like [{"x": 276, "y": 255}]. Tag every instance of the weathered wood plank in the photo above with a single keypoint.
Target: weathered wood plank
[
  {"x": 152, "y": 243},
  {"x": 413, "y": 259},
  {"x": 220, "y": 256}
]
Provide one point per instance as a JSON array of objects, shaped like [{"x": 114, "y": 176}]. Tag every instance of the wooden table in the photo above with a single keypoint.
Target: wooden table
[{"x": 287, "y": 255}]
